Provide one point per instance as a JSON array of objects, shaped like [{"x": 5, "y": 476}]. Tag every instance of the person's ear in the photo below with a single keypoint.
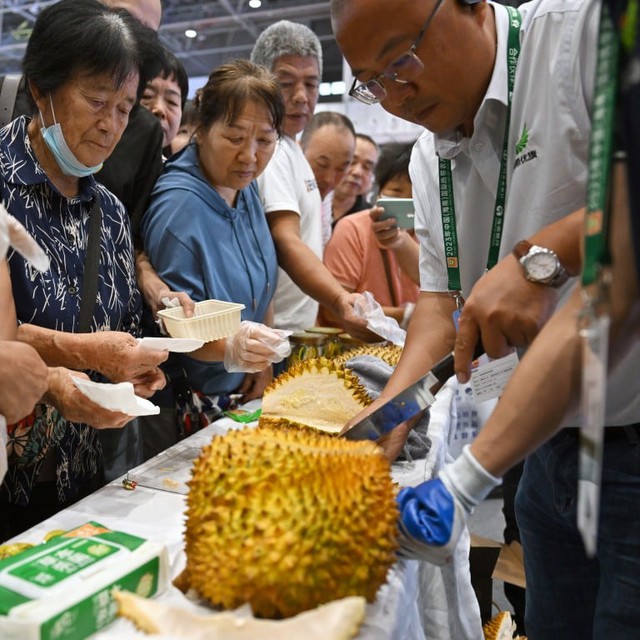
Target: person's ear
[{"x": 39, "y": 97}]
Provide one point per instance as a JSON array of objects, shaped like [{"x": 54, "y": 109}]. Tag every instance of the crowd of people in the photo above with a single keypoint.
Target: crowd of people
[{"x": 137, "y": 195}]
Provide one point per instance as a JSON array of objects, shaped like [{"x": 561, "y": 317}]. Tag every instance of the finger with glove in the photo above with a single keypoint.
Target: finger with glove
[
  {"x": 434, "y": 514},
  {"x": 254, "y": 347}
]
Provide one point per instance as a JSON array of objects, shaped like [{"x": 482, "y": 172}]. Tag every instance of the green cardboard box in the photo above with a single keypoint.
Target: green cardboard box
[{"x": 61, "y": 590}]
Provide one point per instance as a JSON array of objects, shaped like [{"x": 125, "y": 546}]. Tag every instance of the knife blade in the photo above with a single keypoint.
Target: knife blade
[{"x": 409, "y": 403}]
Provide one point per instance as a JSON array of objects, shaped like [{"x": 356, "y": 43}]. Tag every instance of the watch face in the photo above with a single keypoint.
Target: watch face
[{"x": 541, "y": 266}]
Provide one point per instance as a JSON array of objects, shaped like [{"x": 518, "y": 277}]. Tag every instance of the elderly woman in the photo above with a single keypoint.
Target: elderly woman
[
  {"x": 165, "y": 97},
  {"x": 83, "y": 64},
  {"x": 205, "y": 230}
]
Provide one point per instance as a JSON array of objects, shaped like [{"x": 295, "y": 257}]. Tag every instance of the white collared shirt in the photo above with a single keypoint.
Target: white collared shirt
[
  {"x": 547, "y": 157},
  {"x": 546, "y": 178}
]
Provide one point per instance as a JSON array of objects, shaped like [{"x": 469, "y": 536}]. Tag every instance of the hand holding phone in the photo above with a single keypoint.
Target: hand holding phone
[{"x": 402, "y": 209}]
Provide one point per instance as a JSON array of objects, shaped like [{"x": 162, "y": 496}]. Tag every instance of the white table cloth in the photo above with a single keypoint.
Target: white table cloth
[{"x": 419, "y": 601}]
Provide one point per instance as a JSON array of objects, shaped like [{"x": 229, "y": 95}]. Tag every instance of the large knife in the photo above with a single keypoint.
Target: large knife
[{"x": 407, "y": 404}]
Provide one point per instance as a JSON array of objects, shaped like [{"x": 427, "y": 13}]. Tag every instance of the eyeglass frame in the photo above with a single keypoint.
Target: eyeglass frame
[{"x": 411, "y": 52}]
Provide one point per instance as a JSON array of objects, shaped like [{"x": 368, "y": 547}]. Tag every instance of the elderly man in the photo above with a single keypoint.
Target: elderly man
[
  {"x": 328, "y": 142},
  {"x": 349, "y": 195},
  {"x": 508, "y": 96},
  {"x": 289, "y": 189}
]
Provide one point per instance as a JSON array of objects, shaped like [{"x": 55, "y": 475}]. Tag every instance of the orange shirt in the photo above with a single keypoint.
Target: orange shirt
[{"x": 354, "y": 257}]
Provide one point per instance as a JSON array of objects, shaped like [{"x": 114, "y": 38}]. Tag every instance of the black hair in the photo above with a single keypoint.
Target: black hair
[
  {"x": 189, "y": 113},
  {"x": 86, "y": 36},
  {"x": 364, "y": 136},
  {"x": 234, "y": 84},
  {"x": 323, "y": 119},
  {"x": 393, "y": 162},
  {"x": 173, "y": 68}
]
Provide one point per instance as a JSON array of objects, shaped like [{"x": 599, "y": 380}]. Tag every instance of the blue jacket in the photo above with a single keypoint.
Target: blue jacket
[{"x": 199, "y": 244}]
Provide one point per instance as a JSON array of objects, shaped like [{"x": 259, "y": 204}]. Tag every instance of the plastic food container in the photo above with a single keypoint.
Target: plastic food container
[{"x": 212, "y": 320}]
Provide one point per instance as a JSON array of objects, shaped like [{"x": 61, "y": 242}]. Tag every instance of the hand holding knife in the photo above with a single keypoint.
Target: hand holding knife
[{"x": 410, "y": 403}]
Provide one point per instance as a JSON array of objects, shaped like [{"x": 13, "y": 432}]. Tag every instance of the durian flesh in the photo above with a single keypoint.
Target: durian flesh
[
  {"x": 339, "y": 620},
  {"x": 316, "y": 393},
  {"x": 288, "y": 519}
]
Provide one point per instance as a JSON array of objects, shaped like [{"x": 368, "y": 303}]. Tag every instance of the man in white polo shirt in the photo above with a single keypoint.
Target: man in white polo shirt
[
  {"x": 289, "y": 190},
  {"x": 448, "y": 65}
]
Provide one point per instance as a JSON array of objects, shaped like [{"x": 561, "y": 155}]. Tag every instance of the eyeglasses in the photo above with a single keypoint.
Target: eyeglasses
[{"x": 401, "y": 70}]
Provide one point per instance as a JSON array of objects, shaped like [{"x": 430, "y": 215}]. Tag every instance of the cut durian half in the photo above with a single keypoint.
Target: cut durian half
[
  {"x": 316, "y": 393},
  {"x": 337, "y": 620}
]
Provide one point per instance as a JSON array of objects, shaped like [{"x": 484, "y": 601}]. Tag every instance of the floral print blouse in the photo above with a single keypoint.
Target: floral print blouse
[{"x": 52, "y": 300}]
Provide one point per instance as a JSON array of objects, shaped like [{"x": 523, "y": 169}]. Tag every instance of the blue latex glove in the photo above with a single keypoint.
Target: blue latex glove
[{"x": 434, "y": 514}]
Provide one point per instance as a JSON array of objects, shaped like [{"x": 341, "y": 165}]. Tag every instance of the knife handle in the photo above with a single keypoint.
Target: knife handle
[{"x": 443, "y": 369}]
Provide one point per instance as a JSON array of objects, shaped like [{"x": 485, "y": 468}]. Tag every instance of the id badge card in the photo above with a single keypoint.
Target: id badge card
[{"x": 595, "y": 348}]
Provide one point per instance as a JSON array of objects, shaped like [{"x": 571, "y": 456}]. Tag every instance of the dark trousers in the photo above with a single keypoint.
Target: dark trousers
[{"x": 514, "y": 594}]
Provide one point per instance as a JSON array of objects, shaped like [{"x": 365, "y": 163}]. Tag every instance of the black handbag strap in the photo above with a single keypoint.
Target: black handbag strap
[
  {"x": 387, "y": 273},
  {"x": 8, "y": 95},
  {"x": 89, "y": 294}
]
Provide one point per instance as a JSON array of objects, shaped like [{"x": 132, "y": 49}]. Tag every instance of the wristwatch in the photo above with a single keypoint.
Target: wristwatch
[{"x": 540, "y": 264}]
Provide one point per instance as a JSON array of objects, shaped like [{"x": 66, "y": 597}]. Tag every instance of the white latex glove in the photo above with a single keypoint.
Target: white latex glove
[
  {"x": 254, "y": 347},
  {"x": 385, "y": 326},
  {"x": 13, "y": 234},
  {"x": 435, "y": 513}
]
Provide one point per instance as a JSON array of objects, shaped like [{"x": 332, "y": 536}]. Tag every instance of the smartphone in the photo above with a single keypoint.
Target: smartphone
[{"x": 402, "y": 209}]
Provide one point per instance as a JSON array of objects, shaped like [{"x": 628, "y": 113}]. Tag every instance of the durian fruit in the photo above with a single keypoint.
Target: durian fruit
[
  {"x": 500, "y": 627},
  {"x": 337, "y": 620},
  {"x": 288, "y": 519},
  {"x": 387, "y": 351},
  {"x": 316, "y": 393}
]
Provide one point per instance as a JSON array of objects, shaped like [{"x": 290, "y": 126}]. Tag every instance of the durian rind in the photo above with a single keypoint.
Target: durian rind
[
  {"x": 388, "y": 352},
  {"x": 274, "y": 422},
  {"x": 317, "y": 393},
  {"x": 500, "y": 627},
  {"x": 337, "y": 620},
  {"x": 288, "y": 519}
]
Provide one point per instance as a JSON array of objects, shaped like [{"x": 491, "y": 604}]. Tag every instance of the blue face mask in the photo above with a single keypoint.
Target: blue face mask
[{"x": 68, "y": 163}]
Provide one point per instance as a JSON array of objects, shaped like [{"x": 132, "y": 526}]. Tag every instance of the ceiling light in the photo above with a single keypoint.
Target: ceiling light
[
  {"x": 255, "y": 4},
  {"x": 191, "y": 33}
]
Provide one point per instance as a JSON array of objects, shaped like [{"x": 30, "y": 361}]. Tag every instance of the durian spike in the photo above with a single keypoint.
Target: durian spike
[
  {"x": 337, "y": 620},
  {"x": 500, "y": 627},
  {"x": 388, "y": 352}
]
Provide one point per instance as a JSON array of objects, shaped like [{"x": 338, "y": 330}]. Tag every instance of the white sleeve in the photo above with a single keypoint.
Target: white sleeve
[
  {"x": 277, "y": 184},
  {"x": 423, "y": 171}
]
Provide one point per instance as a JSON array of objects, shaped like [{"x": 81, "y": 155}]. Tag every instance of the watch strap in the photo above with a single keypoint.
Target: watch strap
[{"x": 521, "y": 249}]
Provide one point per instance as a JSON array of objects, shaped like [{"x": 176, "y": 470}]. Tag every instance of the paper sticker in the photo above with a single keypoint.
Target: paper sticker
[
  {"x": 595, "y": 345},
  {"x": 488, "y": 380}
]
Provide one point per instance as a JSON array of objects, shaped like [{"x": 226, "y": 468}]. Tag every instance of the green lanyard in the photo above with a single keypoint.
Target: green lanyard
[
  {"x": 447, "y": 206},
  {"x": 596, "y": 225}
]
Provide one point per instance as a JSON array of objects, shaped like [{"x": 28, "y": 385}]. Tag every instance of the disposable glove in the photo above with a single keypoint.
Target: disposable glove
[
  {"x": 254, "y": 347},
  {"x": 13, "y": 234},
  {"x": 434, "y": 514}
]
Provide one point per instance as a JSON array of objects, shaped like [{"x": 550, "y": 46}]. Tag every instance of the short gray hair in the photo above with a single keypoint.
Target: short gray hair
[{"x": 286, "y": 38}]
